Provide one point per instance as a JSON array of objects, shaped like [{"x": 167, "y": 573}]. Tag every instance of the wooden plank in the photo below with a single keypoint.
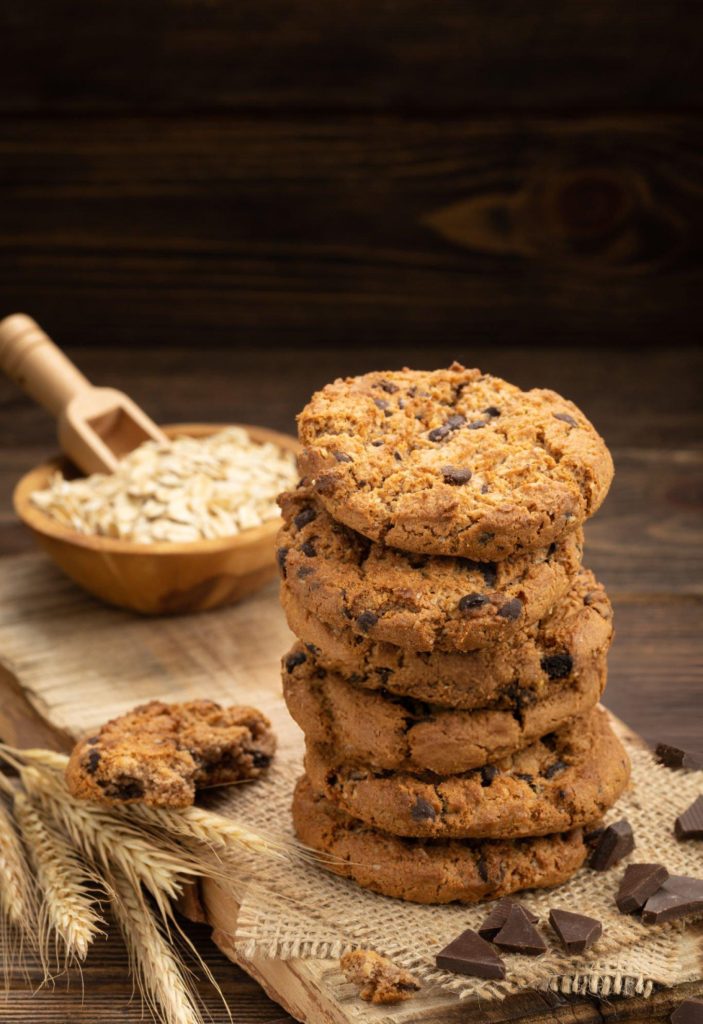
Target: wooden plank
[
  {"x": 185, "y": 54},
  {"x": 536, "y": 231}
]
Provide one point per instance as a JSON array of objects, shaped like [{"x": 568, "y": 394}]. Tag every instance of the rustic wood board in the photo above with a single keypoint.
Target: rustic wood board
[{"x": 67, "y": 663}]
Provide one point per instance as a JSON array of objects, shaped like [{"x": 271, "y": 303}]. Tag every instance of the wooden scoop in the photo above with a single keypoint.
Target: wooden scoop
[{"x": 96, "y": 426}]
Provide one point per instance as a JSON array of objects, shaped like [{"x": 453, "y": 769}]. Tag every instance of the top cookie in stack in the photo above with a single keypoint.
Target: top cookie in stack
[{"x": 453, "y": 648}]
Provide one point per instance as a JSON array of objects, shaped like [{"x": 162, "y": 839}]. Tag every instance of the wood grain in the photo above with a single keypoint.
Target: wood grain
[
  {"x": 188, "y": 54},
  {"x": 546, "y": 231}
]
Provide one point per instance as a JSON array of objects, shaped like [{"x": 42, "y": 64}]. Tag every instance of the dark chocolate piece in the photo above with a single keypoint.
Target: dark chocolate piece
[
  {"x": 471, "y": 955},
  {"x": 679, "y": 896},
  {"x": 498, "y": 916},
  {"x": 689, "y": 825},
  {"x": 576, "y": 931},
  {"x": 676, "y": 757},
  {"x": 293, "y": 660},
  {"x": 366, "y": 620},
  {"x": 511, "y": 609},
  {"x": 473, "y": 600},
  {"x": 639, "y": 882},
  {"x": 456, "y": 475},
  {"x": 558, "y": 666},
  {"x": 690, "y": 1011},
  {"x": 615, "y": 843},
  {"x": 422, "y": 810},
  {"x": 519, "y": 935}
]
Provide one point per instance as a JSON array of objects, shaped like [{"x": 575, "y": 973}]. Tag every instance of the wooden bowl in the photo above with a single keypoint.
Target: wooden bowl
[{"x": 162, "y": 578}]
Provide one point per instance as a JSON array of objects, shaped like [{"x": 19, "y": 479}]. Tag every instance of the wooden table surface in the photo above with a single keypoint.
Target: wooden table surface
[{"x": 646, "y": 545}]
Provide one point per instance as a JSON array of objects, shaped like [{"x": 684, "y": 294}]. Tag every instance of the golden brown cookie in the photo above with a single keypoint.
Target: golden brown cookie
[
  {"x": 452, "y": 462},
  {"x": 390, "y": 733},
  {"x": 562, "y": 781},
  {"x": 431, "y": 871},
  {"x": 159, "y": 754},
  {"x": 567, "y": 648},
  {"x": 418, "y": 602},
  {"x": 380, "y": 981}
]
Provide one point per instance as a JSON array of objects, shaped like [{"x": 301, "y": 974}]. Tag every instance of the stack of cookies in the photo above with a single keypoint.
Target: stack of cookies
[{"x": 452, "y": 648}]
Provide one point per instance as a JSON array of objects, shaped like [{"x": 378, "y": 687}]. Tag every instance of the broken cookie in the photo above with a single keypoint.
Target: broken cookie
[
  {"x": 160, "y": 754},
  {"x": 379, "y": 979}
]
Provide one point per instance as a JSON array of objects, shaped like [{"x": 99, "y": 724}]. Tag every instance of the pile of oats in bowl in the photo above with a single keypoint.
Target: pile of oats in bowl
[{"x": 191, "y": 489}]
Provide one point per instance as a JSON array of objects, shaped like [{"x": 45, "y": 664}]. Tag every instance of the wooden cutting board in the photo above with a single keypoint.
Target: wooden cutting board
[{"x": 67, "y": 663}]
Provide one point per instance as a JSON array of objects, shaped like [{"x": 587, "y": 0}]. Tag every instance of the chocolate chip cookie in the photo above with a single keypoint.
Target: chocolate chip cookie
[
  {"x": 567, "y": 649},
  {"x": 427, "y": 871},
  {"x": 562, "y": 781},
  {"x": 418, "y": 602},
  {"x": 159, "y": 754},
  {"x": 403, "y": 734},
  {"x": 452, "y": 462}
]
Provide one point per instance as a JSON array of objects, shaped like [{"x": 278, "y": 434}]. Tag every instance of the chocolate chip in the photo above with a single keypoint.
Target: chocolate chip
[
  {"x": 616, "y": 841},
  {"x": 565, "y": 418},
  {"x": 553, "y": 769},
  {"x": 483, "y": 538},
  {"x": 469, "y": 601},
  {"x": 308, "y": 548},
  {"x": 397, "y": 456},
  {"x": 416, "y": 561},
  {"x": 456, "y": 475},
  {"x": 477, "y": 424},
  {"x": 679, "y": 896},
  {"x": 485, "y": 488},
  {"x": 366, "y": 620},
  {"x": 689, "y": 825},
  {"x": 388, "y": 386},
  {"x": 304, "y": 571},
  {"x": 281, "y": 556},
  {"x": 378, "y": 443},
  {"x": 511, "y": 610},
  {"x": 380, "y": 403},
  {"x": 422, "y": 810},
  {"x": 312, "y": 648},
  {"x": 551, "y": 550},
  {"x": 488, "y": 774},
  {"x": 690, "y": 1011},
  {"x": 676, "y": 757},
  {"x": 342, "y": 457},
  {"x": 305, "y": 516},
  {"x": 491, "y": 411},
  {"x": 93, "y": 739},
  {"x": 293, "y": 660},
  {"x": 482, "y": 869},
  {"x": 557, "y": 666},
  {"x": 326, "y": 484},
  {"x": 526, "y": 777},
  {"x": 471, "y": 955},
  {"x": 489, "y": 570},
  {"x": 639, "y": 882},
  {"x": 519, "y": 935},
  {"x": 259, "y": 759},
  {"x": 91, "y": 762},
  {"x": 576, "y": 931},
  {"x": 125, "y": 787},
  {"x": 498, "y": 916},
  {"x": 453, "y": 423}
]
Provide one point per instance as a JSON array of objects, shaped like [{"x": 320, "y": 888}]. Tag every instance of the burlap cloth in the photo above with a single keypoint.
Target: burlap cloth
[{"x": 304, "y": 911}]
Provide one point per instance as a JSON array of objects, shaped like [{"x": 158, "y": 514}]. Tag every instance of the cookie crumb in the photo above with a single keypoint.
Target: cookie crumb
[{"x": 379, "y": 979}]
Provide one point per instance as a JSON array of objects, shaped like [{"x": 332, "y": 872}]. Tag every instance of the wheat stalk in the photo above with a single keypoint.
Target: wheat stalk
[
  {"x": 213, "y": 830},
  {"x": 17, "y": 891},
  {"x": 157, "y": 970},
  {"x": 67, "y": 906}
]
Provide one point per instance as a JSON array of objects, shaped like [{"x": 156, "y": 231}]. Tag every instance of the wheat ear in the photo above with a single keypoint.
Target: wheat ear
[
  {"x": 67, "y": 906},
  {"x": 17, "y": 890},
  {"x": 157, "y": 970},
  {"x": 213, "y": 830}
]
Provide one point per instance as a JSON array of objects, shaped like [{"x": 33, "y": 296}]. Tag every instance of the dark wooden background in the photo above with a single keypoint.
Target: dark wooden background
[{"x": 259, "y": 172}]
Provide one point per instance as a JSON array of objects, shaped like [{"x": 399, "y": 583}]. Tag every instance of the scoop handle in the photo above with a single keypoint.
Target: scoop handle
[{"x": 31, "y": 359}]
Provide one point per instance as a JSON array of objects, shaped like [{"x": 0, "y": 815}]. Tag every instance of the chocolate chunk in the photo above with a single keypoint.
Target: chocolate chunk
[
  {"x": 557, "y": 666},
  {"x": 281, "y": 556},
  {"x": 519, "y": 935},
  {"x": 453, "y": 423},
  {"x": 259, "y": 759},
  {"x": 92, "y": 761},
  {"x": 511, "y": 609},
  {"x": 689, "y": 825},
  {"x": 488, "y": 774},
  {"x": 326, "y": 484},
  {"x": 553, "y": 769},
  {"x": 125, "y": 787},
  {"x": 576, "y": 931},
  {"x": 304, "y": 517},
  {"x": 342, "y": 457},
  {"x": 378, "y": 443},
  {"x": 304, "y": 571},
  {"x": 565, "y": 418},
  {"x": 471, "y": 955},
  {"x": 293, "y": 660},
  {"x": 397, "y": 456},
  {"x": 615, "y": 843},
  {"x": 679, "y": 896},
  {"x": 380, "y": 403},
  {"x": 639, "y": 882},
  {"x": 456, "y": 475},
  {"x": 498, "y": 916},
  {"x": 676, "y": 757},
  {"x": 423, "y": 811},
  {"x": 482, "y": 869},
  {"x": 474, "y": 600},
  {"x": 308, "y": 548},
  {"x": 477, "y": 424},
  {"x": 491, "y": 411},
  {"x": 489, "y": 571},
  {"x": 388, "y": 386},
  {"x": 690, "y": 1011},
  {"x": 366, "y": 620}
]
